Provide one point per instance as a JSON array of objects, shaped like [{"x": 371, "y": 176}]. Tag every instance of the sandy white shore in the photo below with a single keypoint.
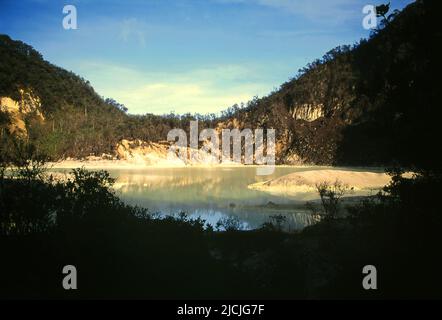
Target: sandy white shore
[
  {"x": 105, "y": 164},
  {"x": 129, "y": 164},
  {"x": 362, "y": 182}
]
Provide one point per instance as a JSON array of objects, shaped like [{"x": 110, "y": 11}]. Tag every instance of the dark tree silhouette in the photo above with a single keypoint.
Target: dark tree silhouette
[{"x": 381, "y": 11}]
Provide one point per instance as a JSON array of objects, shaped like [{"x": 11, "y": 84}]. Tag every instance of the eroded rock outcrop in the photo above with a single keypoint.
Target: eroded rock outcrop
[
  {"x": 308, "y": 112},
  {"x": 28, "y": 105},
  {"x": 142, "y": 152}
]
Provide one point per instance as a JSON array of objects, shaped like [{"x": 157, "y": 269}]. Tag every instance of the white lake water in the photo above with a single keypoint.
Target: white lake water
[{"x": 212, "y": 193}]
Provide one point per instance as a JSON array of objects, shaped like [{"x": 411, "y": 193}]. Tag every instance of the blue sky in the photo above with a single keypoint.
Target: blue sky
[{"x": 157, "y": 56}]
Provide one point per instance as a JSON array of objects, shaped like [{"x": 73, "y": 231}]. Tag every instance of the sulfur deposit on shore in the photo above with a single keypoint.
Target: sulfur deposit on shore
[
  {"x": 362, "y": 183},
  {"x": 137, "y": 154},
  {"x": 129, "y": 154}
]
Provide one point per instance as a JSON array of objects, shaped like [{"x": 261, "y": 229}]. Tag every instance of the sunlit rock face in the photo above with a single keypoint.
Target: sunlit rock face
[
  {"x": 151, "y": 153},
  {"x": 308, "y": 112},
  {"x": 28, "y": 105},
  {"x": 139, "y": 151}
]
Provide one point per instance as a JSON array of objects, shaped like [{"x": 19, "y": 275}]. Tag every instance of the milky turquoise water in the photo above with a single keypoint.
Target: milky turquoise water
[{"x": 212, "y": 194}]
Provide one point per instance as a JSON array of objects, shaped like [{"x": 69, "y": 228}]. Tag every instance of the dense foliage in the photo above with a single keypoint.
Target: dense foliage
[{"x": 122, "y": 251}]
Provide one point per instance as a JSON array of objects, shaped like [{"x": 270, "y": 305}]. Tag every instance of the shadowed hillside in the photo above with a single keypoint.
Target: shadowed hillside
[{"x": 367, "y": 104}]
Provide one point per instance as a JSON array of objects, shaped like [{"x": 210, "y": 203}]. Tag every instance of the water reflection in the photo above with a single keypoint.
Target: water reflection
[{"x": 210, "y": 193}]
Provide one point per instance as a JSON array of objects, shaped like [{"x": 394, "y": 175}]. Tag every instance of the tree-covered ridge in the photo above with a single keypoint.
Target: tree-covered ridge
[
  {"x": 76, "y": 117},
  {"x": 374, "y": 98},
  {"x": 78, "y": 121}
]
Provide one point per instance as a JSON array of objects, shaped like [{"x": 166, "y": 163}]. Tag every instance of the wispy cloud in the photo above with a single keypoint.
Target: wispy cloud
[{"x": 202, "y": 90}]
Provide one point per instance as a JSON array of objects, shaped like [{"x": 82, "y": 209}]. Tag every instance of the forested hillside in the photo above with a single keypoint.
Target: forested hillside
[
  {"x": 78, "y": 122},
  {"x": 372, "y": 103}
]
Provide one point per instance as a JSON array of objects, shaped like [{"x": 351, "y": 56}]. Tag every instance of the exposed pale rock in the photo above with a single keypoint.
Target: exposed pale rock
[
  {"x": 308, "y": 112},
  {"x": 18, "y": 110}
]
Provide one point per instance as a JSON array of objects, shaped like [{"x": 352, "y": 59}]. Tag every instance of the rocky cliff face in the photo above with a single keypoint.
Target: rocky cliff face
[
  {"x": 141, "y": 152},
  {"x": 138, "y": 152},
  {"x": 28, "y": 105},
  {"x": 308, "y": 112}
]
